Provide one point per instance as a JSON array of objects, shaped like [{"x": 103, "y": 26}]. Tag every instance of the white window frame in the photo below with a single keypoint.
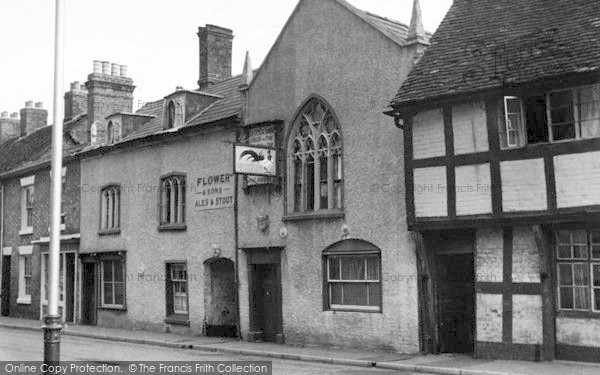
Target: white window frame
[
  {"x": 507, "y": 122},
  {"x": 27, "y": 184},
  {"x": 330, "y": 282},
  {"x": 167, "y": 198},
  {"x": 113, "y": 283},
  {"x": 63, "y": 216},
  {"x": 110, "y": 208},
  {"x": 25, "y": 254},
  {"x": 173, "y": 281}
]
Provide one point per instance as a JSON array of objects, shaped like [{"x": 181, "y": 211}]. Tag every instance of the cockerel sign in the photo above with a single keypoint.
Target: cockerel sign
[{"x": 255, "y": 160}]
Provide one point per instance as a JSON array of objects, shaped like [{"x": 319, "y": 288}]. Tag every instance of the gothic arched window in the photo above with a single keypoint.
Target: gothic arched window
[{"x": 315, "y": 160}]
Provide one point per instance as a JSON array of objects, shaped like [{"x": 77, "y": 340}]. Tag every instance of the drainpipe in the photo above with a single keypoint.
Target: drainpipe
[
  {"x": 236, "y": 244},
  {"x": 1, "y": 232}
]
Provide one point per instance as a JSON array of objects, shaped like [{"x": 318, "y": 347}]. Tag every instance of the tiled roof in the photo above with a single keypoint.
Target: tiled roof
[
  {"x": 229, "y": 106},
  {"x": 34, "y": 148},
  {"x": 154, "y": 109},
  {"x": 488, "y": 44}
]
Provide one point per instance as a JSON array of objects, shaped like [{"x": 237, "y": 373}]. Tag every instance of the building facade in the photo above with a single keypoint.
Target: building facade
[
  {"x": 501, "y": 130},
  {"x": 325, "y": 257}
]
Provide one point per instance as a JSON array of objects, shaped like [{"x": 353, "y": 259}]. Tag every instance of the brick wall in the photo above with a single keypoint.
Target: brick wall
[
  {"x": 469, "y": 124},
  {"x": 428, "y": 134}
]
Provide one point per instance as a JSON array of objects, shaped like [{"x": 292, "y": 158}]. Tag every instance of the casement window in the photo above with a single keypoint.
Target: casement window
[
  {"x": 110, "y": 210},
  {"x": 177, "y": 290},
  {"x": 27, "y": 200},
  {"x": 112, "y": 283},
  {"x": 170, "y": 115},
  {"x": 353, "y": 277},
  {"x": 559, "y": 115},
  {"x": 578, "y": 270},
  {"x": 172, "y": 202},
  {"x": 315, "y": 181},
  {"x": 25, "y": 275}
]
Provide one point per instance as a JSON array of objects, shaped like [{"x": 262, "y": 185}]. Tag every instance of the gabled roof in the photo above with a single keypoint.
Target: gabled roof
[
  {"x": 229, "y": 106},
  {"x": 487, "y": 44}
]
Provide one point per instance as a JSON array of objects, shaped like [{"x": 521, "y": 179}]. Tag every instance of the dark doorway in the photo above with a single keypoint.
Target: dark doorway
[
  {"x": 456, "y": 302},
  {"x": 70, "y": 287},
  {"x": 220, "y": 303},
  {"x": 265, "y": 302},
  {"x": 88, "y": 294},
  {"x": 5, "y": 285}
]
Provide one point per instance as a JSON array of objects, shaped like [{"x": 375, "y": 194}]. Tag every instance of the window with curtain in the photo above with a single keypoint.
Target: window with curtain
[
  {"x": 177, "y": 286},
  {"x": 315, "y": 160},
  {"x": 578, "y": 263},
  {"x": 110, "y": 211},
  {"x": 172, "y": 201},
  {"x": 353, "y": 280}
]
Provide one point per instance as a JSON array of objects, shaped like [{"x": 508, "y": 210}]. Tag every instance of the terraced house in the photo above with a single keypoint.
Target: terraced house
[{"x": 501, "y": 120}]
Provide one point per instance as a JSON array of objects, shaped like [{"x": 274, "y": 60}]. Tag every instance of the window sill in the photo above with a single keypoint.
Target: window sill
[
  {"x": 24, "y": 300},
  {"x": 578, "y": 314},
  {"x": 172, "y": 227},
  {"x": 26, "y": 231},
  {"x": 316, "y": 215},
  {"x": 180, "y": 320},
  {"x": 361, "y": 309},
  {"x": 109, "y": 232},
  {"x": 113, "y": 308}
]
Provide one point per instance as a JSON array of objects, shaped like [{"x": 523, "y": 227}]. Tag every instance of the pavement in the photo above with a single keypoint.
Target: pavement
[{"x": 444, "y": 364}]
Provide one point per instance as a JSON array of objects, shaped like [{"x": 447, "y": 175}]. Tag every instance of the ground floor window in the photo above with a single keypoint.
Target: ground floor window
[
  {"x": 578, "y": 273},
  {"x": 112, "y": 283},
  {"x": 352, "y": 274},
  {"x": 177, "y": 289},
  {"x": 25, "y": 275},
  {"x": 61, "y": 279}
]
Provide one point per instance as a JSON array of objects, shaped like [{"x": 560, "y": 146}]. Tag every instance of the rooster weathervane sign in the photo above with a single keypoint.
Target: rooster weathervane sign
[{"x": 255, "y": 160}]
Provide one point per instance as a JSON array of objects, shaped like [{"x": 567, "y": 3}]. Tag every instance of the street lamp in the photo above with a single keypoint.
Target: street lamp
[{"x": 52, "y": 324}]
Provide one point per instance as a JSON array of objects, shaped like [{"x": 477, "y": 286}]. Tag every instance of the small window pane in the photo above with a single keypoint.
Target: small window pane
[
  {"x": 580, "y": 237},
  {"x": 119, "y": 294},
  {"x": 597, "y": 299},
  {"x": 580, "y": 252},
  {"x": 561, "y": 99},
  {"x": 564, "y": 237},
  {"x": 596, "y": 273},
  {"x": 108, "y": 295},
  {"x": 374, "y": 294},
  {"x": 107, "y": 269},
  {"x": 582, "y": 299},
  {"x": 336, "y": 293},
  {"x": 119, "y": 271},
  {"x": 334, "y": 268},
  {"x": 564, "y": 252},
  {"x": 372, "y": 268},
  {"x": 566, "y": 298},
  {"x": 353, "y": 268},
  {"x": 565, "y": 274},
  {"x": 582, "y": 274},
  {"x": 355, "y": 294}
]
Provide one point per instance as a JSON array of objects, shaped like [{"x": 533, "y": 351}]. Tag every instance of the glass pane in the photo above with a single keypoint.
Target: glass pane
[
  {"x": 565, "y": 274},
  {"x": 561, "y": 99},
  {"x": 108, "y": 296},
  {"x": 562, "y": 115},
  {"x": 297, "y": 185},
  {"x": 564, "y": 237},
  {"x": 372, "y": 268},
  {"x": 353, "y": 268},
  {"x": 107, "y": 270},
  {"x": 336, "y": 292},
  {"x": 564, "y": 252},
  {"x": 580, "y": 237},
  {"x": 580, "y": 252},
  {"x": 595, "y": 236},
  {"x": 119, "y": 271},
  {"x": 374, "y": 294},
  {"x": 119, "y": 293},
  {"x": 566, "y": 298},
  {"x": 597, "y": 299},
  {"x": 582, "y": 298},
  {"x": 562, "y": 132},
  {"x": 596, "y": 275},
  {"x": 355, "y": 294},
  {"x": 582, "y": 274},
  {"x": 334, "y": 268},
  {"x": 513, "y": 105},
  {"x": 310, "y": 185}
]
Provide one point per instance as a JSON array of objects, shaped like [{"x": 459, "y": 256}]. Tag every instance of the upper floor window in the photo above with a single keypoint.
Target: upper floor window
[
  {"x": 171, "y": 115},
  {"x": 315, "y": 160},
  {"x": 110, "y": 210},
  {"x": 113, "y": 133},
  {"x": 27, "y": 199},
  {"x": 555, "y": 116},
  {"x": 578, "y": 262},
  {"x": 172, "y": 202}
]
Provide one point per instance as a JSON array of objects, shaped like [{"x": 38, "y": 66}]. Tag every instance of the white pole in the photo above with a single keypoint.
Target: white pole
[{"x": 52, "y": 325}]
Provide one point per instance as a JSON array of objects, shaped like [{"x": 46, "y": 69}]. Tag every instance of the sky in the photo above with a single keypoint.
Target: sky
[{"x": 156, "y": 39}]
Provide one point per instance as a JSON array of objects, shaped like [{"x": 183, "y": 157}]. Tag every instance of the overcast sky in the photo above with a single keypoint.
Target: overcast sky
[{"x": 156, "y": 39}]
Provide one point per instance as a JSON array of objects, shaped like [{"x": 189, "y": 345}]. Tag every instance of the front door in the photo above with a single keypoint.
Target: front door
[
  {"x": 88, "y": 291},
  {"x": 266, "y": 296},
  {"x": 456, "y": 302},
  {"x": 5, "y": 285}
]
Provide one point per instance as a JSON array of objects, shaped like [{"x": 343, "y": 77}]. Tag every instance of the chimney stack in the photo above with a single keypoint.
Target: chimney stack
[
  {"x": 33, "y": 118},
  {"x": 10, "y": 127},
  {"x": 215, "y": 54},
  {"x": 76, "y": 100}
]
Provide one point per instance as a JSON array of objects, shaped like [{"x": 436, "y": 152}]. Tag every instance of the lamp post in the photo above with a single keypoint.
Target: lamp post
[{"x": 52, "y": 324}]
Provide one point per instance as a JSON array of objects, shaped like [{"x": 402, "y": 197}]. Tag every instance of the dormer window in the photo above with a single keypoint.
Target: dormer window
[
  {"x": 113, "y": 133},
  {"x": 171, "y": 115},
  {"x": 556, "y": 116}
]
